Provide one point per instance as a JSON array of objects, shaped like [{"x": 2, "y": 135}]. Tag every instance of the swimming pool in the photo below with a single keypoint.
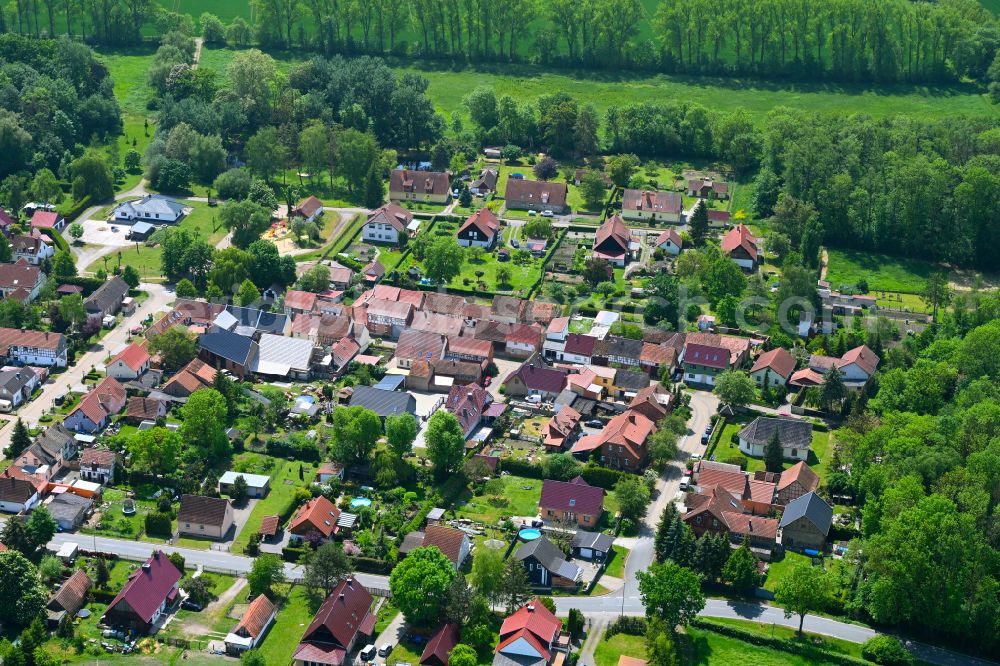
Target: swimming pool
[
  {"x": 360, "y": 501},
  {"x": 529, "y": 534}
]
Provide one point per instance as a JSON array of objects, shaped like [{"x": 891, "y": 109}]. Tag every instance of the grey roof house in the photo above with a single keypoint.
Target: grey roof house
[
  {"x": 229, "y": 351},
  {"x": 69, "y": 510},
  {"x": 150, "y": 208},
  {"x": 594, "y": 546},
  {"x": 806, "y": 522},
  {"x": 384, "y": 403},
  {"x": 546, "y": 566},
  {"x": 107, "y": 299},
  {"x": 795, "y": 436}
]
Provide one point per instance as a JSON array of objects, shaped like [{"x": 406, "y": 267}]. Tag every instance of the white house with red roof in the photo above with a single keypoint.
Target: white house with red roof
[
  {"x": 129, "y": 363},
  {"x": 344, "y": 617},
  {"x": 742, "y": 247},
  {"x": 773, "y": 368},
  {"x": 481, "y": 229},
  {"x": 388, "y": 224},
  {"x": 95, "y": 410},
  {"x": 670, "y": 242},
  {"x": 531, "y": 636},
  {"x": 856, "y": 367},
  {"x": 309, "y": 208},
  {"x": 46, "y": 219}
]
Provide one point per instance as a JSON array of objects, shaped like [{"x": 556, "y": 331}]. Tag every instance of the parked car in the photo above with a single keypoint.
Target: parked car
[
  {"x": 595, "y": 423},
  {"x": 704, "y": 438},
  {"x": 684, "y": 483},
  {"x": 534, "y": 399},
  {"x": 532, "y": 213},
  {"x": 515, "y": 243},
  {"x": 367, "y": 653},
  {"x": 191, "y": 606},
  {"x": 546, "y": 213},
  {"x": 385, "y": 650}
]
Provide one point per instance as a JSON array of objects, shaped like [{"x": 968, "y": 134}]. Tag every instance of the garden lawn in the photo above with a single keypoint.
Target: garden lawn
[
  {"x": 882, "y": 272},
  {"x": 779, "y": 569},
  {"x": 279, "y": 500},
  {"x": 522, "y": 276},
  {"x": 815, "y": 640},
  {"x": 293, "y": 618},
  {"x": 387, "y": 612},
  {"x": 616, "y": 567},
  {"x": 711, "y": 649},
  {"x": 819, "y": 453},
  {"x": 521, "y": 496},
  {"x": 609, "y": 649}
]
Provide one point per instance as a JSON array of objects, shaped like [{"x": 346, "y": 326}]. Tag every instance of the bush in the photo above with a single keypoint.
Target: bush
[
  {"x": 72, "y": 211},
  {"x": 159, "y": 523},
  {"x": 601, "y": 476},
  {"x": 627, "y": 624},
  {"x": 886, "y": 650}
]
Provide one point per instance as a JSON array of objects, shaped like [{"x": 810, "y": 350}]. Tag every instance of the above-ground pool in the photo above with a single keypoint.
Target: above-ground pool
[
  {"x": 529, "y": 534},
  {"x": 360, "y": 501}
]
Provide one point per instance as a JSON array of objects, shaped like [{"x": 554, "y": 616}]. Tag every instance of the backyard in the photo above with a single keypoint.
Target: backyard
[
  {"x": 285, "y": 480},
  {"x": 728, "y": 447},
  {"x": 846, "y": 268}
]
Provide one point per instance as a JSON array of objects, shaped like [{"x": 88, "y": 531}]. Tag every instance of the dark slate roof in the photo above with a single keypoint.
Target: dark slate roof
[
  {"x": 617, "y": 346},
  {"x": 813, "y": 507},
  {"x": 266, "y": 322},
  {"x": 793, "y": 433},
  {"x": 109, "y": 293},
  {"x": 549, "y": 556},
  {"x": 228, "y": 345},
  {"x": 596, "y": 540},
  {"x": 202, "y": 510},
  {"x": 631, "y": 379},
  {"x": 383, "y": 403}
]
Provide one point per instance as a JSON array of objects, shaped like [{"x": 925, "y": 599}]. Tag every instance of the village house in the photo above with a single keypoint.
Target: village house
[
  {"x": 656, "y": 358},
  {"x": 129, "y": 363},
  {"x": 21, "y": 281},
  {"x": 795, "y": 436},
  {"x": 98, "y": 465},
  {"x": 531, "y": 635},
  {"x": 773, "y": 368},
  {"x": 617, "y": 349},
  {"x": 670, "y": 242},
  {"x": 468, "y": 403},
  {"x": 389, "y": 224},
  {"x": 95, "y": 409},
  {"x": 298, "y": 302},
  {"x": 615, "y": 243},
  {"x": 17, "y": 495},
  {"x": 806, "y": 522},
  {"x": 523, "y": 340},
  {"x": 149, "y": 592},
  {"x": 707, "y": 188},
  {"x": 282, "y": 357},
  {"x": 718, "y": 510},
  {"x": 310, "y": 209},
  {"x": 225, "y": 350},
  {"x": 437, "y": 652},
  {"x": 561, "y": 430},
  {"x": 622, "y": 443},
  {"x": 16, "y": 387},
  {"x": 592, "y": 546},
  {"x": 546, "y": 566},
  {"x": 416, "y": 345},
  {"x": 29, "y": 347},
  {"x": 794, "y": 482},
  {"x": 47, "y": 219},
  {"x": 383, "y": 402},
  {"x": 343, "y": 618},
  {"x": 573, "y": 501},
  {"x": 252, "y": 627},
  {"x": 856, "y": 368},
  {"x": 480, "y": 229},
  {"x": 32, "y": 249},
  {"x": 140, "y": 408},
  {"x": 204, "y": 517},
  {"x": 150, "y": 208},
  {"x": 652, "y": 206},
  {"x": 654, "y": 402},
  {"x": 452, "y": 542},
  {"x": 522, "y": 194},
  {"x": 628, "y": 383},
  {"x": 71, "y": 597},
  {"x": 195, "y": 375},
  {"x": 107, "y": 299},
  {"x": 258, "y": 485},
  {"x": 373, "y": 272},
  {"x": 318, "y": 517},
  {"x": 702, "y": 363},
  {"x": 423, "y": 186},
  {"x": 531, "y": 379},
  {"x": 742, "y": 247},
  {"x": 68, "y": 510},
  {"x": 468, "y": 348},
  {"x": 486, "y": 183},
  {"x": 388, "y": 318}
]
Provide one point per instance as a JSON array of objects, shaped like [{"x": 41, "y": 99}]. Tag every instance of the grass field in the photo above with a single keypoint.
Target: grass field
[
  {"x": 609, "y": 649},
  {"x": 882, "y": 272},
  {"x": 814, "y": 640},
  {"x": 522, "y": 500},
  {"x": 293, "y": 618},
  {"x": 819, "y": 454},
  {"x": 711, "y": 649},
  {"x": 279, "y": 500},
  {"x": 604, "y": 89}
]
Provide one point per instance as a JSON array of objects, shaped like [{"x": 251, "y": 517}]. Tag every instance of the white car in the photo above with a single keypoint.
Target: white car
[
  {"x": 684, "y": 482},
  {"x": 367, "y": 654},
  {"x": 546, "y": 213},
  {"x": 534, "y": 399},
  {"x": 385, "y": 650}
]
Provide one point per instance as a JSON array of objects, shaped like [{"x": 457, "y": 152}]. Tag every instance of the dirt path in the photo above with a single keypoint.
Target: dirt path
[
  {"x": 214, "y": 610},
  {"x": 198, "y": 43}
]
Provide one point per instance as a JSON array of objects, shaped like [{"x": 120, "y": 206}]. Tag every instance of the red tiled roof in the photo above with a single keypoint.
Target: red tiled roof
[
  {"x": 655, "y": 202},
  {"x": 548, "y": 380},
  {"x": 484, "y": 220},
  {"x": 446, "y": 539},
  {"x": 139, "y": 407},
  {"x": 669, "y": 235},
  {"x": 864, "y": 357},
  {"x": 256, "y": 616},
  {"x": 712, "y": 357},
  {"x": 800, "y": 472},
  {"x": 778, "y": 360},
  {"x": 106, "y": 399},
  {"x": 561, "y": 425},
  {"x": 308, "y": 207},
  {"x": 533, "y": 618},
  {"x": 19, "y": 275},
  {"x": 807, "y": 377},
  {"x": 415, "y": 344},
  {"x": 740, "y": 236},
  {"x": 526, "y": 334},
  {"x": 580, "y": 344},
  {"x": 613, "y": 237},
  {"x": 467, "y": 403},
  {"x": 576, "y": 496},
  {"x": 469, "y": 346},
  {"x": 148, "y": 587},
  {"x": 396, "y": 216},
  {"x": 133, "y": 356},
  {"x": 317, "y": 514},
  {"x": 342, "y": 615},
  {"x": 72, "y": 594},
  {"x": 300, "y": 300},
  {"x": 441, "y": 644},
  {"x": 98, "y": 457},
  {"x": 424, "y": 182},
  {"x": 45, "y": 219},
  {"x": 269, "y": 525}
]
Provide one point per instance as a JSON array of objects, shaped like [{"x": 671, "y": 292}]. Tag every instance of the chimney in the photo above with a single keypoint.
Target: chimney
[{"x": 341, "y": 597}]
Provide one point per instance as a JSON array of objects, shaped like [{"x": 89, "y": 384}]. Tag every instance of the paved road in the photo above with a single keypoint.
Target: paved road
[{"x": 159, "y": 297}]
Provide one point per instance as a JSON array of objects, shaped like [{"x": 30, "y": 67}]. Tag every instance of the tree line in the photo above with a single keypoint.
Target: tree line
[{"x": 851, "y": 40}]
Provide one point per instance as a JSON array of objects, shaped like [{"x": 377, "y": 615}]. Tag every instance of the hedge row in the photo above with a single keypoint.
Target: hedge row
[
  {"x": 57, "y": 239},
  {"x": 73, "y": 212},
  {"x": 103, "y": 596},
  {"x": 784, "y": 644},
  {"x": 372, "y": 565},
  {"x": 601, "y": 477}
]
